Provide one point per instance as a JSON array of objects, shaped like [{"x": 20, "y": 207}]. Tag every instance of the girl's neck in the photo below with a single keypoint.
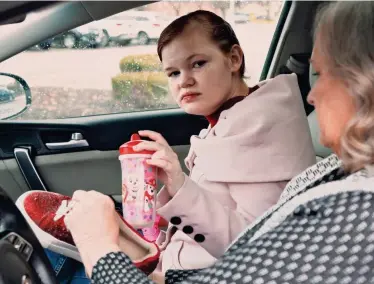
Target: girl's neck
[
  {"x": 238, "y": 94},
  {"x": 240, "y": 88}
]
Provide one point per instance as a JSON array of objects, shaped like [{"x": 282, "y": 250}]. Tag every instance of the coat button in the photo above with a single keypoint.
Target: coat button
[
  {"x": 187, "y": 230},
  {"x": 175, "y": 220},
  {"x": 199, "y": 238}
]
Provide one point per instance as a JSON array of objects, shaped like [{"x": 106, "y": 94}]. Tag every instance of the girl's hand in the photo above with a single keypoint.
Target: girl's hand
[{"x": 165, "y": 159}]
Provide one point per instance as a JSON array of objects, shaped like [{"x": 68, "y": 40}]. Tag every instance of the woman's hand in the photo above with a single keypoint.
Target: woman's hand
[
  {"x": 93, "y": 224},
  {"x": 165, "y": 159}
]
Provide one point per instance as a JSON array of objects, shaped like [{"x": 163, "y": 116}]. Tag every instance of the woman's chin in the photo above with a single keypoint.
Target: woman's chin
[{"x": 324, "y": 141}]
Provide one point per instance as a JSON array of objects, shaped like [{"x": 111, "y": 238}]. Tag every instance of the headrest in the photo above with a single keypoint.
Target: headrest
[
  {"x": 298, "y": 63},
  {"x": 321, "y": 151}
]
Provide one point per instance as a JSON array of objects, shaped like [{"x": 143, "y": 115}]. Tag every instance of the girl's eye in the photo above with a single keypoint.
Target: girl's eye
[
  {"x": 173, "y": 74},
  {"x": 199, "y": 64}
]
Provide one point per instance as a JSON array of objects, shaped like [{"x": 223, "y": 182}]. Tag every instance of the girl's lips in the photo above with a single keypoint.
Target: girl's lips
[{"x": 188, "y": 97}]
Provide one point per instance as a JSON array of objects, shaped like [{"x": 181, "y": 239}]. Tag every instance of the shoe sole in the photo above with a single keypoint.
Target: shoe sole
[
  {"x": 136, "y": 247},
  {"x": 47, "y": 241}
]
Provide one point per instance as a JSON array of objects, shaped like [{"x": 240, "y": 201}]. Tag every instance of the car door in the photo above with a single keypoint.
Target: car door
[{"x": 86, "y": 102}]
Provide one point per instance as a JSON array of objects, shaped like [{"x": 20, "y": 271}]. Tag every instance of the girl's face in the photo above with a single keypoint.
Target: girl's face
[{"x": 201, "y": 76}]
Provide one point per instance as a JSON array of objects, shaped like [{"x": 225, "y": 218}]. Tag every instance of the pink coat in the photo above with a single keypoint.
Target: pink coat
[{"x": 238, "y": 170}]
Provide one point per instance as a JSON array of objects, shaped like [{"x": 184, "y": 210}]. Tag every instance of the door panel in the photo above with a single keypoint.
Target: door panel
[
  {"x": 11, "y": 178},
  {"x": 92, "y": 167},
  {"x": 104, "y": 132},
  {"x": 64, "y": 173}
]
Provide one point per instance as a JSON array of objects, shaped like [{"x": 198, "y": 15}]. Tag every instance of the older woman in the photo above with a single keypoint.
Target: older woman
[{"x": 321, "y": 230}]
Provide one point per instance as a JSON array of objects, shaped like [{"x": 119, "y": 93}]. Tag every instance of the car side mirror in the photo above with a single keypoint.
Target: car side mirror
[{"x": 15, "y": 96}]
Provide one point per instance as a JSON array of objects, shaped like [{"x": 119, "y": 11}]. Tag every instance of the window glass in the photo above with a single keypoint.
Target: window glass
[{"x": 111, "y": 65}]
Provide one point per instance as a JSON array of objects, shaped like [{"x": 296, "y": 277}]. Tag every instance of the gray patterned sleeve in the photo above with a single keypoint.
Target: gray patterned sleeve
[
  {"x": 117, "y": 268},
  {"x": 328, "y": 240},
  {"x": 177, "y": 276}
]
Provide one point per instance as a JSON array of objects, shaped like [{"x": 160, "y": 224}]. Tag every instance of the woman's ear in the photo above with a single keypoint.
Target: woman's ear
[{"x": 236, "y": 58}]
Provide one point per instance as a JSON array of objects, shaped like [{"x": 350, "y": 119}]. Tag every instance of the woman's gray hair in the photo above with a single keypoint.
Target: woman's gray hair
[{"x": 346, "y": 37}]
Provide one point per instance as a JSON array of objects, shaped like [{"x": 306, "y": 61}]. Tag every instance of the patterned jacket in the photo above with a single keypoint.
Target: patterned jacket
[{"x": 321, "y": 231}]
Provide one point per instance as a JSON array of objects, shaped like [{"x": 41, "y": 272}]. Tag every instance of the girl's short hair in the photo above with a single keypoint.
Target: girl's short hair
[{"x": 219, "y": 30}]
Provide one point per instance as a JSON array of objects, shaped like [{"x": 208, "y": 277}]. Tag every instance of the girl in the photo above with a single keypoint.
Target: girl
[
  {"x": 322, "y": 228},
  {"x": 257, "y": 140}
]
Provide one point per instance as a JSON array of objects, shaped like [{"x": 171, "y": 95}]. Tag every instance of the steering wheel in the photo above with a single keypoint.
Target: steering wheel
[{"x": 22, "y": 260}]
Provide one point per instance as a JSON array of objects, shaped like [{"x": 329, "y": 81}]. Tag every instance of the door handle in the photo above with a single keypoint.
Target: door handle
[
  {"x": 29, "y": 172},
  {"x": 77, "y": 141}
]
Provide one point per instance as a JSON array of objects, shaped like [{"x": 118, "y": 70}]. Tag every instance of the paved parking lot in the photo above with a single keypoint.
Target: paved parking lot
[
  {"x": 10, "y": 108},
  {"x": 94, "y": 68}
]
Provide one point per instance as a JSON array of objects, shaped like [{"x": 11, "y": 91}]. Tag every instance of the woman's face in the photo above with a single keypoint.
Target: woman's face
[
  {"x": 200, "y": 74},
  {"x": 333, "y": 103}
]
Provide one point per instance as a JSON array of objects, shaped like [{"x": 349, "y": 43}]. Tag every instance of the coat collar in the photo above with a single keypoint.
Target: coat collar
[{"x": 213, "y": 118}]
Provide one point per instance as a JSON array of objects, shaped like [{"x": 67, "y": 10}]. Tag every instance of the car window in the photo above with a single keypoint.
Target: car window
[{"x": 111, "y": 65}]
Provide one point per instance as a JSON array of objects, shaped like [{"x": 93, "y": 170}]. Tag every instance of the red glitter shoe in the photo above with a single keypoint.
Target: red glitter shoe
[{"x": 45, "y": 212}]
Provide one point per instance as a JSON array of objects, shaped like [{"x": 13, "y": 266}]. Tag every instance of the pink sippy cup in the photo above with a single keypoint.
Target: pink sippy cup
[{"x": 138, "y": 185}]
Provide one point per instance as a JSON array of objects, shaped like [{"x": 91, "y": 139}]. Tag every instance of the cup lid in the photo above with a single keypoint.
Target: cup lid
[{"x": 127, "y": 148}]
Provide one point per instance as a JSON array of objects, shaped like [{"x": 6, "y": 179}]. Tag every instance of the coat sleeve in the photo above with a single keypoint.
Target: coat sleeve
[
  {"x": 251, "y": 153},
  {"x": 215, "y": 226}
]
